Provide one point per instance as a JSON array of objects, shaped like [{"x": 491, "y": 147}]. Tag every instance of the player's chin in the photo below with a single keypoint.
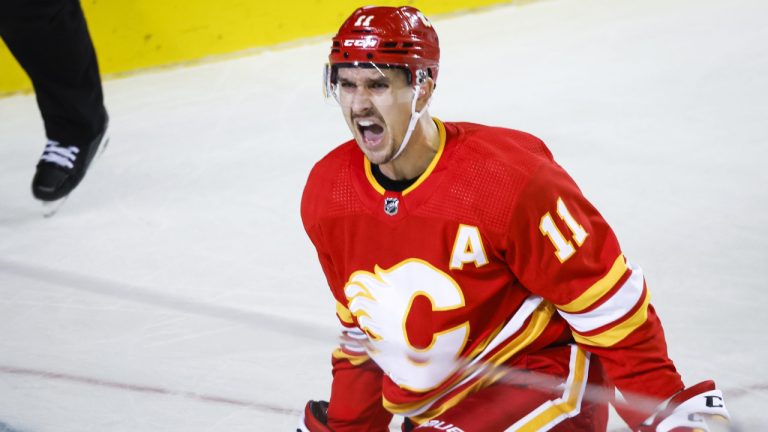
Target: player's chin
[
  {"x": 378, "y": 153},
  {"x": 377, "y": 157}
]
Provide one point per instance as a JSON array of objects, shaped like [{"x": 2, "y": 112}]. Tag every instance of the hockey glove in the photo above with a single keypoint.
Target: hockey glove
[
  {"x": 314, "y": 417},
  {"x": 687, "y": 410}
]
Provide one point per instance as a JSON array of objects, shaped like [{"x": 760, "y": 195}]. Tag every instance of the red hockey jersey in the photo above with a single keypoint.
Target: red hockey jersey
[{"x": 492, "y": 253}]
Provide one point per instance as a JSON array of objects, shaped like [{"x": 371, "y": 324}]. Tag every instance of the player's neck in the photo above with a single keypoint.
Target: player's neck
[{"x": 421, "y": 150}]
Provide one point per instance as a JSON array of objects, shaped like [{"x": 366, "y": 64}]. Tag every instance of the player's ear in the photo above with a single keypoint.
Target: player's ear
[{"x": 425, "y": 93}]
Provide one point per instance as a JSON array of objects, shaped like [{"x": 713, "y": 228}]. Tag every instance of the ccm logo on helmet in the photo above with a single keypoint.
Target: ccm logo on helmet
[{"x": 361, "y": 43}]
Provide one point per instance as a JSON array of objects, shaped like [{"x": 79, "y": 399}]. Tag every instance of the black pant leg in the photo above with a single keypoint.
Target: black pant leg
[{"x": 50, "y": 40}]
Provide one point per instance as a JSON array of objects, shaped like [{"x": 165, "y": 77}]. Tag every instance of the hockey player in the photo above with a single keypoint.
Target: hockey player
[{"x": 476, "y": 287}]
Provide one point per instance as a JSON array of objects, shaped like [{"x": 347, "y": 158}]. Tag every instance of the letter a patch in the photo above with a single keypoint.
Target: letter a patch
[{"x": 468, "y": 248}]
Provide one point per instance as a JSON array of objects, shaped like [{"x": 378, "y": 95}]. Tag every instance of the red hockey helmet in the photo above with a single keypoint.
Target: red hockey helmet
[{"x": 388, "y": 36}]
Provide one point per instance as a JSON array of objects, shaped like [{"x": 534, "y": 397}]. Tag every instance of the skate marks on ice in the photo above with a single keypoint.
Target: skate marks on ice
[
  {"x": 282, "y": 325},
  {"x": 49, "y": 375},
  {"x": 134, "y": 384}
]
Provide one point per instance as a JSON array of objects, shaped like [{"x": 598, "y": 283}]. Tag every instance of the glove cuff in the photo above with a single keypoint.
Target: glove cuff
[
  {"x": 688, "y": 409},
  {"x": 314, "y": 417}
]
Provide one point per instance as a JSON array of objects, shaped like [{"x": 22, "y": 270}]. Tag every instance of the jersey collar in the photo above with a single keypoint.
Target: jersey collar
[{"x": 380, "y": 189}]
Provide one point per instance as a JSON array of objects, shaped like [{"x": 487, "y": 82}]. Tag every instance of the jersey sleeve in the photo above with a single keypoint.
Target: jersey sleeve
[
  {"x": 562, "y": 249},
  {"x": 356, "y": 395}
]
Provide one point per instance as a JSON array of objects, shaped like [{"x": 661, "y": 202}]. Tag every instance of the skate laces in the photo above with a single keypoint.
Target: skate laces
[{"x": 56, "y": 153}]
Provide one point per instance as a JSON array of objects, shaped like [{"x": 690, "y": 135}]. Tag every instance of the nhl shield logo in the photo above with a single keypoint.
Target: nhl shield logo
[{"x": 390, "y": 206}]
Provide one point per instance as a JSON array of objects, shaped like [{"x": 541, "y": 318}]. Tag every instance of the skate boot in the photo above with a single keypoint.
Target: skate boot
[{"x": 62, "y": 166}]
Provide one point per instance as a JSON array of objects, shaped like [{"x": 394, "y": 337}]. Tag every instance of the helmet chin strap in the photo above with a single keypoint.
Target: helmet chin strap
[{"x": 415, "y": 116}]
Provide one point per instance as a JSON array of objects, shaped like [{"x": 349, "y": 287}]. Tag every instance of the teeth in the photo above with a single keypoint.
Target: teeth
[{"x": 365, "y": 123}]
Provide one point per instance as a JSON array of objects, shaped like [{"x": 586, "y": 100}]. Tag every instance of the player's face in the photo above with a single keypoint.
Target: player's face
[{"x": 377, "y": 107}]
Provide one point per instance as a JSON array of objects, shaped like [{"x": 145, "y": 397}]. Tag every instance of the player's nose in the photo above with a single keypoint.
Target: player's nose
[{"x": 361, "y": 101}]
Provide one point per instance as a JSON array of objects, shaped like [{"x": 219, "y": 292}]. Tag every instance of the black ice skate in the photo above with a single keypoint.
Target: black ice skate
[{"x": 62, "y": 166}]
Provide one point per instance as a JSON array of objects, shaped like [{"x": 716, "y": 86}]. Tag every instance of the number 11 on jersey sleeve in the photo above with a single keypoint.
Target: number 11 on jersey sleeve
[{"x": 564, "y": 249}]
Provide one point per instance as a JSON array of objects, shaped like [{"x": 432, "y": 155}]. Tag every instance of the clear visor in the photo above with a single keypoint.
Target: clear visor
[{"x": 331, "y": 87}]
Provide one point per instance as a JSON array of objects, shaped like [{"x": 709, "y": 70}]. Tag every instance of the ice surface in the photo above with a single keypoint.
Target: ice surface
[{"x": 168, "y": 294}]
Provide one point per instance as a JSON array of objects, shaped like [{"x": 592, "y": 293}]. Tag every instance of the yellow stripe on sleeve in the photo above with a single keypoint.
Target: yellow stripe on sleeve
[
  {"x": 344, "y": 313},
  {"x": 356, "y": 360},
  {"x": 598, "y": 289},
  {"x": 617, "y": 333}
]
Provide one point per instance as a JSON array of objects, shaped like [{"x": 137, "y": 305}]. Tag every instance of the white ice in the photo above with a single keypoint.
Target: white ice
[{"x": 176, "y": 290}]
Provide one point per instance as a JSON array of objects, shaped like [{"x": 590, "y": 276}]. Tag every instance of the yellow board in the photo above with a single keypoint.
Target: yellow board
[{"x": 135, "y": 34}]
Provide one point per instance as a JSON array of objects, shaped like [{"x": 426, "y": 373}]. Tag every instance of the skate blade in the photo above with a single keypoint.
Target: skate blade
[
  {"x": 50, "y": 208},
  {"x": 102, "y": 145}
]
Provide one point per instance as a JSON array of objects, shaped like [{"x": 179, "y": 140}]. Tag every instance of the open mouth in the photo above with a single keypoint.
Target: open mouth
[{"x": 372, "y": 132}]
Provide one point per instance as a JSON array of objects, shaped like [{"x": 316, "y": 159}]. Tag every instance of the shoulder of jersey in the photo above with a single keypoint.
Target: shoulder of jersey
[
  {"x": 334, "y": 161},
  {"x": 507, "y": 146},
  {"x": 327, "y": 172}
]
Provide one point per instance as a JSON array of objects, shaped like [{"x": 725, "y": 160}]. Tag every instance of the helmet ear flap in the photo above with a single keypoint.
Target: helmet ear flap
[{"x": 421, "y": 76}]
